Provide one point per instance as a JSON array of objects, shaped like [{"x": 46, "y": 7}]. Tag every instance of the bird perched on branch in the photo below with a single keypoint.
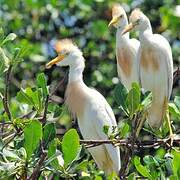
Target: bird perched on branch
[
  {"x": 126, "y": 49},
  {"x": 88, "y": 105},
  {"x": 156, "y": 67}
]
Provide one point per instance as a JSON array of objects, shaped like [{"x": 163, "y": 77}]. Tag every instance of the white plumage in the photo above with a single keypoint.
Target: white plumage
[
  {"x": 155, "y": 66},
  {"x": 126, "y": 49},
  {"x": 89, "y": 106}
]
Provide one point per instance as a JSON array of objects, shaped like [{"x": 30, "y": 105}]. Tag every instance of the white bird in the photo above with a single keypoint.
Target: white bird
[
  {"x": 126, "y": 49},
  {"x": 155, "y": 66},
  {"x": 88, "y": 105}
]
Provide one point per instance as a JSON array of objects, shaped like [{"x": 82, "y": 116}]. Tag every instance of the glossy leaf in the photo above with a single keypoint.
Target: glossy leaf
[
  {"x": 42, "y": 82},
  {"x": 133, "y": 99},
  {"x": 52, "y": 152},
  {"x": 120, "y": 94},
  {"x": 32, "y": 137},
  {"x": 140, "y": 168},
  {"x": 24, "y": 98},
  {"x": 49, "y": 132},
  {"x": 174, "y": 110},
  {"x": 70, "y": 146}
]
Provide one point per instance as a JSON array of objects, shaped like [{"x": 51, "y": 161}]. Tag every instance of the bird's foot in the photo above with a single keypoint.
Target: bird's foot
[{"x": 170, "y": 140}]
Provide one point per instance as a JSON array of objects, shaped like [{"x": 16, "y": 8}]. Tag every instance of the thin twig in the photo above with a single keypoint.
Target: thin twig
[
  {"x": 6, "y": 93},
  {"x": 43, "y": 120},
  {"x": 11, "y": 139},
  {"x": 37, "y": 169},
  {"x": 127, "y": 143}
]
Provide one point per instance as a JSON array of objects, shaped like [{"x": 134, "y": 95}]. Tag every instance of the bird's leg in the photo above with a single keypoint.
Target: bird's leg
[{"x": 167, "y": 119}]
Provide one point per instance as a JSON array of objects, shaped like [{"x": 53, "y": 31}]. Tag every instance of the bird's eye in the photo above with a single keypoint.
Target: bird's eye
[{"x": 121, "y": 16}]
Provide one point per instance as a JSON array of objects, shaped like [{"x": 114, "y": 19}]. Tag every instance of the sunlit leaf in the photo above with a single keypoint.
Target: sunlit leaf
[
  {"x": 70, "y": 145},
  {"x": 140, "y": 168},
  {"x": 32, "y": 136},
  {"x": 8, "y": 38},
  {"x": 120, "y": 94},
  {"x": 4, "y": 62},
  {"x": 133, "y": 98},
  {"x": 52, "y": 152},
  {"x": 174, "y": 110},
  {"x": 24, "y": 98},
  {"x": 42, "y": 82}
]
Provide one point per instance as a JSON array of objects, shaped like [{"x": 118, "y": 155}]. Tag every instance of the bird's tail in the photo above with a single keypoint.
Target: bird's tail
[{"x": 157, "y": 112}]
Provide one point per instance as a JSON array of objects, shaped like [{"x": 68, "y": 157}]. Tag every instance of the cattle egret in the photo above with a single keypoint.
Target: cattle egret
[
  {"x": 126, "y": 49},
  {"x": 88, "y": 105},
  {"x": 156, "y": 67}
]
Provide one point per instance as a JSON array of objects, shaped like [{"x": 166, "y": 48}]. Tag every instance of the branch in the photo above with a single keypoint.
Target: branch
[
  {"x": 37, "y": 170},
  {"x": 6, "y": 93},
  {"x": 43, "y": 120},
  {"x": 127, "y": 143}
]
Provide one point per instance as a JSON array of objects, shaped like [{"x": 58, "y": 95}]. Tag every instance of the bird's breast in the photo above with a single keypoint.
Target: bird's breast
[
  {"x": 75, "y": 99},
  {"x": 124, "y": 60},
  {"x": 149, "y": 59}
]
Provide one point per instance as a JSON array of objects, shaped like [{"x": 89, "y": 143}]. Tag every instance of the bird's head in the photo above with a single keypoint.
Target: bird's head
[
  {"x": 119, "y": 17},
  {"x": 68, "y": 54},
  {"x": 137, "y": 21}
]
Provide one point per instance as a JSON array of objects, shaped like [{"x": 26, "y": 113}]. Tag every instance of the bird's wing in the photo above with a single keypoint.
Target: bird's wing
[
  {"x": 105, "y": 116},
  {"x": 166, "y": 50},
  {"x": 156, "y": 76}
]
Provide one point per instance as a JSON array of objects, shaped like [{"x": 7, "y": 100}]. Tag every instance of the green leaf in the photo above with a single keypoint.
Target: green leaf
[
  {"x": 174, "y": 110},
  {"x": 42, "y": 82},
  {"x": 177, "y": 101},
  {"x": 124, "y": 130},
  {"x": 133, "y": 99},
  {"x": 10, "y": 37},
  {"x": 82, "y": 165},
  {"x": 32, "y": 136},
  {"x": 49, "y": 132},
  {"x": 52, "y": 152},
  {"x": 120, "y": 94},
  {"x": 106, "y": 129},
  {"x": 140, "y": 168},
  {"x": 169, "y": 164},
  {"x": 4, "y": 62},
  {"x": 70, "y": 145},
  {"x": 24, "y": 98},
  {"x": 132, "y": 176},
  {"x": 147, "y": 99},
  {"x": 1, "y": 35},
  {"x": 176, "y": 164}
]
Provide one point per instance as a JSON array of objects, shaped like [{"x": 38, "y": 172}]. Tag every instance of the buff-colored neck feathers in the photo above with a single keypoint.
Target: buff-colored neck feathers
[
  {"x": 117, "y": 10},
  {"x": 64, "y": 45},
  {"x": 135, "y": 15}
]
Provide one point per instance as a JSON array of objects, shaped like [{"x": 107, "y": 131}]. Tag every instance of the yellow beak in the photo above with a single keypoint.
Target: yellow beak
[
  {"x": 113, "y": 21},
  {"x": 128, "y": 28},
  {"x": 55, "y": 60}
]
